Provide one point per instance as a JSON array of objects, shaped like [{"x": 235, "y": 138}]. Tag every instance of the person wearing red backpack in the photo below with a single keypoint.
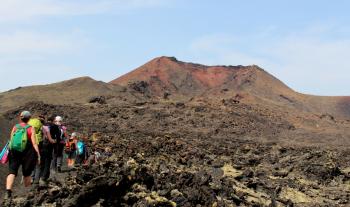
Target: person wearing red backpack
[{"x": 24, "y": 151}]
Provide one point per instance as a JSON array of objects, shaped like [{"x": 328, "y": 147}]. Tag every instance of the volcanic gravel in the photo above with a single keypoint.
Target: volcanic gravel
[{"x": 182, "y": 154}]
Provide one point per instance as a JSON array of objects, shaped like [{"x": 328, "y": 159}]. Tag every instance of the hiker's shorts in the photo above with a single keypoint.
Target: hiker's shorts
[
  {"x": 71, "y": 154},
  {"x": 27, "y": 159}
]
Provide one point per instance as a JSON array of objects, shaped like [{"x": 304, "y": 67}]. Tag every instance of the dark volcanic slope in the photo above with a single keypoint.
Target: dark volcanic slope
[
  {"x": 188, "y": 154},
  {"x": 78, "y": 90}
]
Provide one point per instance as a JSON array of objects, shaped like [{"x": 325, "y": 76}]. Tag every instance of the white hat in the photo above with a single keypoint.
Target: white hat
[{"x": 58, "y": 118}]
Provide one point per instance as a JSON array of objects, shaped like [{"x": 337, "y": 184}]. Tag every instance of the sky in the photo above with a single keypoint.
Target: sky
[{"x": 305, "y": 44}]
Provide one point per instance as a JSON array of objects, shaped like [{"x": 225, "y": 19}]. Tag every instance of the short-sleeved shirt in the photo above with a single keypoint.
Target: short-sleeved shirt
[
  {"x": 46, "y": 131},
  {"x": 29, "y": 130}
]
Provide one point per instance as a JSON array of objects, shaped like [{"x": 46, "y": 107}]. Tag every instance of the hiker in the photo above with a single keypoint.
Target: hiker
[
  {"x": 82, "y": 154},
  {"x": 59, "y": 145},
  {"x": 98, "y": 156},
  {"x": 24, "y": 152},
  {"x": 42, "y": 172},
  {"x": 70, "y": 149},
  {"x": 107, "y": 152},
  {"x": 95, "y": 157},
  {"x": 37, "y": 124}
]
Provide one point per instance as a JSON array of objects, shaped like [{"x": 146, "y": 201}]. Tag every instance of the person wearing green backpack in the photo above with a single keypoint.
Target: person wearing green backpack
[{"x": 24, "y": 152}]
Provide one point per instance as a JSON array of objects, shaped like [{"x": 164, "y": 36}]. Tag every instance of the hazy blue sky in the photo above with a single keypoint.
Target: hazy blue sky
[{"x": 306, "y": 44}]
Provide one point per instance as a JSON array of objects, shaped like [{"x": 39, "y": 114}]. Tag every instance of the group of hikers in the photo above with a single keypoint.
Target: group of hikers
[{"x": 38, "y": 146}]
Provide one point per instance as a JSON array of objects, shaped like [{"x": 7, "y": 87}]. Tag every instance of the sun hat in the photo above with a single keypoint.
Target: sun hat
[
  {"x": 58, "y": 119},
  {"x": 25, "y": 114}
]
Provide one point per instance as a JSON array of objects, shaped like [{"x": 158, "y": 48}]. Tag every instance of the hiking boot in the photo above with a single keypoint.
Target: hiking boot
[
  {"x": 35, "y": 182},
  {"x": 7, "y": 198},
  {"x": 35, "y": 186},
  {"x": 43, "y": 183},
  {"x": 59, "y": 169}
]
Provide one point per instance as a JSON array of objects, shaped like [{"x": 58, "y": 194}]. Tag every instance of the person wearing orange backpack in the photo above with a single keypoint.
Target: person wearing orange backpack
[
  {"x": 70, "y": 149},
  {"x": 24, "y": 151}
]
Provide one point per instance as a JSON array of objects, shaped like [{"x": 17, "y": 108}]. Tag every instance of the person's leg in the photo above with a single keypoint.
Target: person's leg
[
  {"x": 70, "y": 159},
  {"x": 9, "y": 184},
  {"x": 74, "y": 157},
  {"x": 54, "y": 162},
  {"x": 54, "y": 158},
  {"x": 14, "y": 164},
  {"x": 38, "y": 168},
  {"x": 59, "y": 164},
  {"x": 60, "y": 156},
  {"x": 29, "y": 163},
  {"x": 79, "y": 159},
  {"x": 27, "y": 181},
  {"x": 45, "y": 174},
  {"x": 9, "y": 181},
  {"x": 37, "y": 172}
]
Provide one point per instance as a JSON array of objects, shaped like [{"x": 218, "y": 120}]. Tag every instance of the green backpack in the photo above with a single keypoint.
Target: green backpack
[{"x": 19, "y": 138}]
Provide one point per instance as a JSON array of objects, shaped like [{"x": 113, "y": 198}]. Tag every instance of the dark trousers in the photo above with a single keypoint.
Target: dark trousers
[
  {"x": 57, "y": 159},
  {"x": 43, "y": 170}
]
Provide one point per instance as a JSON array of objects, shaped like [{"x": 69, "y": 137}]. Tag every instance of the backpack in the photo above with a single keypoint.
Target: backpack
[
  {"x": 36, "y": 123},
  {"x": 55, "y": 132},
  {"x": 70, "y": 146},
  {"x": 19, "y": 138},
  {"x": 80, "y": 148}
]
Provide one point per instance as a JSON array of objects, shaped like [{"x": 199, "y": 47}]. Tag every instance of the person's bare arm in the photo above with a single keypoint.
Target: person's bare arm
[
  {"x": 13, "y": 131},
  {"x": 65, "y": 133},
  {"x": 35, "y": 145}
]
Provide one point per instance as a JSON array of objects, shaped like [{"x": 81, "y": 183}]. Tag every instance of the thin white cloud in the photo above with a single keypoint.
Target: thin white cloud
[
  {"x": 315, "y": 65},
  {"x": 38, "y": 57},
  {"x": 34, "y": 46},
  {"x": 218, "y": 49},
  {"x": 45, "y": 55},
  {"x": 24, "y": 10},
  {"x": 34, "y": 43}
]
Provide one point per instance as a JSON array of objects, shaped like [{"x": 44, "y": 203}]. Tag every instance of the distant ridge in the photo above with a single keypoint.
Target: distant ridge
[{"x": 77, "y": 90}]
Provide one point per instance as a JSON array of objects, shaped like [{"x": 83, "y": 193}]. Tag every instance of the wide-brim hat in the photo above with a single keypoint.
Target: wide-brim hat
[{"x": 25, "y": 114}]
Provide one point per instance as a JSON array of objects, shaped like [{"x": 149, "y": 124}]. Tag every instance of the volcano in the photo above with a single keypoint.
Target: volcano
[{"x": 167, "y": 76}]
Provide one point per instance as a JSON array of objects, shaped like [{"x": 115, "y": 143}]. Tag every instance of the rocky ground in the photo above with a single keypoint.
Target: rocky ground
[{"x": 189, "y": 154}]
